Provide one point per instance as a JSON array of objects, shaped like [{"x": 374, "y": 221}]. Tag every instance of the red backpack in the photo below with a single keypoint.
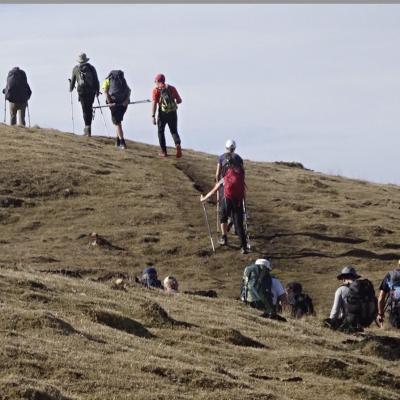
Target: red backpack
[{"x": 234, "y": 186}]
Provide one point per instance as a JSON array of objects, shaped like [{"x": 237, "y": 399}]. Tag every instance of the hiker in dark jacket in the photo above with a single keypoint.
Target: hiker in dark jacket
[
  {"x": 299, "y": 303},
  {"x": 85, "y": 75},
  {"x": 166, "y": 99},
  {"x": 118, "y": 95},
  {"x": 150, "y": 279},
  {"x": 17, "y": 92},
  {"x": 337, "y": 314}
]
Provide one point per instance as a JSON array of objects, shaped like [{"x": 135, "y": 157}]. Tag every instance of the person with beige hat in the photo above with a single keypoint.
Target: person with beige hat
[{"x": 88, "y": 86}]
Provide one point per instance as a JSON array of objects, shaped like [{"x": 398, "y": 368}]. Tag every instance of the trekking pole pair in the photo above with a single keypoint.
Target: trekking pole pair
[
  {"x": 102, "y": 115},
  {"x": 208, "y": 227}
]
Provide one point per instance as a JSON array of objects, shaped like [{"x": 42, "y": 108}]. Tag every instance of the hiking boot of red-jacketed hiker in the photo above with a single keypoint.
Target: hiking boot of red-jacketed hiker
[
  {"x": 162, "y": 154},
  {"x": 178, "y": 151}
]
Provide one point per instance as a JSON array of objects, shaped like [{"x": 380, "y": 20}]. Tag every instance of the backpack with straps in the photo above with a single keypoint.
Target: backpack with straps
[
  {"x": 299, "y": 303},
  {"x": 228, "y": 160},
  {"x": 167, "y": 102},
  {"x": 234, "y": 186},
  {"x": 119, "y": 89},
  {"x": 394, "y": 298},
  {"x": 361, "y": 306},
  {"x": 86, "y": 79},
  {"x": 256, "y": 287},
  {"x": 17, "y": 88}
]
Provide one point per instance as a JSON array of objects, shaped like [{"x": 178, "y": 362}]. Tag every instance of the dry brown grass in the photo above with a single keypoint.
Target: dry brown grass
[{"x": 67, "y": 332}]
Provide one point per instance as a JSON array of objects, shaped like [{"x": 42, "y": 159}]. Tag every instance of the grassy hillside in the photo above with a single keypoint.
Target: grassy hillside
[{"x": 68, "y": 332}]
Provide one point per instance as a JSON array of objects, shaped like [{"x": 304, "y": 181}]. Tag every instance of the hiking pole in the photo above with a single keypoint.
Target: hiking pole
[
  {"x": 5, "y": 108},
  {"x": 218, "y": 211},
  {"x": 131, "y": 102},
  {"x": 102, "y": 114},
  {"x": 208, "y": 227},
  {"x": 72, "y": 110},
  {"x": 246, "y": 225},
  {"x": 29, "y": 115}
]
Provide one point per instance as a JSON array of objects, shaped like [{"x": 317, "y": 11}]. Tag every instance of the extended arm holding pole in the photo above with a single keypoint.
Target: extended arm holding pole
[
  {"x": 131, "y": 102},
  {"x": 203, "y": 199}
]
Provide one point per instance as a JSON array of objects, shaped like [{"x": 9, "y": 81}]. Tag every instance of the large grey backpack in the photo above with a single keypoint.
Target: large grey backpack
[
  {"x": 256, "y": 286},
  {"x": 87, "y": 79}
]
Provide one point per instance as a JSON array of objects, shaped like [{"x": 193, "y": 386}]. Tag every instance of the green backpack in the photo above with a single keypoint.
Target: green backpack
[
  {"x": 167, "y": 101},
  {"x": 256, "y": 288}
]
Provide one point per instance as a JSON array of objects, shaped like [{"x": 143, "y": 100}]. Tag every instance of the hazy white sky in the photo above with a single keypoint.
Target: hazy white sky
[{"x": 318, "y": 84}]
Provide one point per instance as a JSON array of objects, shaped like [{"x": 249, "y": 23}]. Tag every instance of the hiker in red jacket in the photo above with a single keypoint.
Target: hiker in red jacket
[
  {"x": 232, "y": 203},
  {"x": 167, "y": 98}
]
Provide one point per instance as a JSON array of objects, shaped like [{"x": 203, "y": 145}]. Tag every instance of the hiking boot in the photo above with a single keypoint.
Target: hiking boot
[
  {"x": 223, "y": 240},
  {"x": 331, "y": 323},
  {"x": 162, "y": 154},
  {"x": 244, "y": 250},
  {"x": 87, "y": 131},
  {"x": 118, "y": 142},
  {"x": 276, "y": 317},
  {"x": 178, "y": 151},
  {"x": 123, "y": 145}
]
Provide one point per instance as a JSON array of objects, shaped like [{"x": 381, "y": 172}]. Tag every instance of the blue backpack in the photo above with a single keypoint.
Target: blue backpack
[
  {"x": 394, "y": 298},
  {"x": 394, "y": 286},
  {"x": 150, "y": 278}
]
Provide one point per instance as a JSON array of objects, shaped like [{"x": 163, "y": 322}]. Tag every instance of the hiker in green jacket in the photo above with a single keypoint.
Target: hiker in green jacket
[{"x": 85, "y": 75}]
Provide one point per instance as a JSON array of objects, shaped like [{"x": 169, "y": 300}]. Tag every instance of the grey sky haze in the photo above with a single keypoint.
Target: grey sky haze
[{"x": 318, "y": 84}]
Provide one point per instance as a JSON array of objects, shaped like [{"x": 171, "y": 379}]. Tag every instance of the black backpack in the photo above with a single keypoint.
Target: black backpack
[
  {"x": 361, "y": 305},
  {"x": 167, "y": 102},
  {"x": 17, "y": 88},
  {"x": 230, "y": 159},
  {"x": 87, "y": 79},
  {"x": 119, "y": 89},
  {"x": 299, "y": 303}
]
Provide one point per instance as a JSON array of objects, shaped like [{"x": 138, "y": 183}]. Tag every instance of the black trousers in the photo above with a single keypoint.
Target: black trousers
[
  {"x": 235, "y": 208},
  {"x": 170, "y": 119},
  {"x": 87, "y": 100}
]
